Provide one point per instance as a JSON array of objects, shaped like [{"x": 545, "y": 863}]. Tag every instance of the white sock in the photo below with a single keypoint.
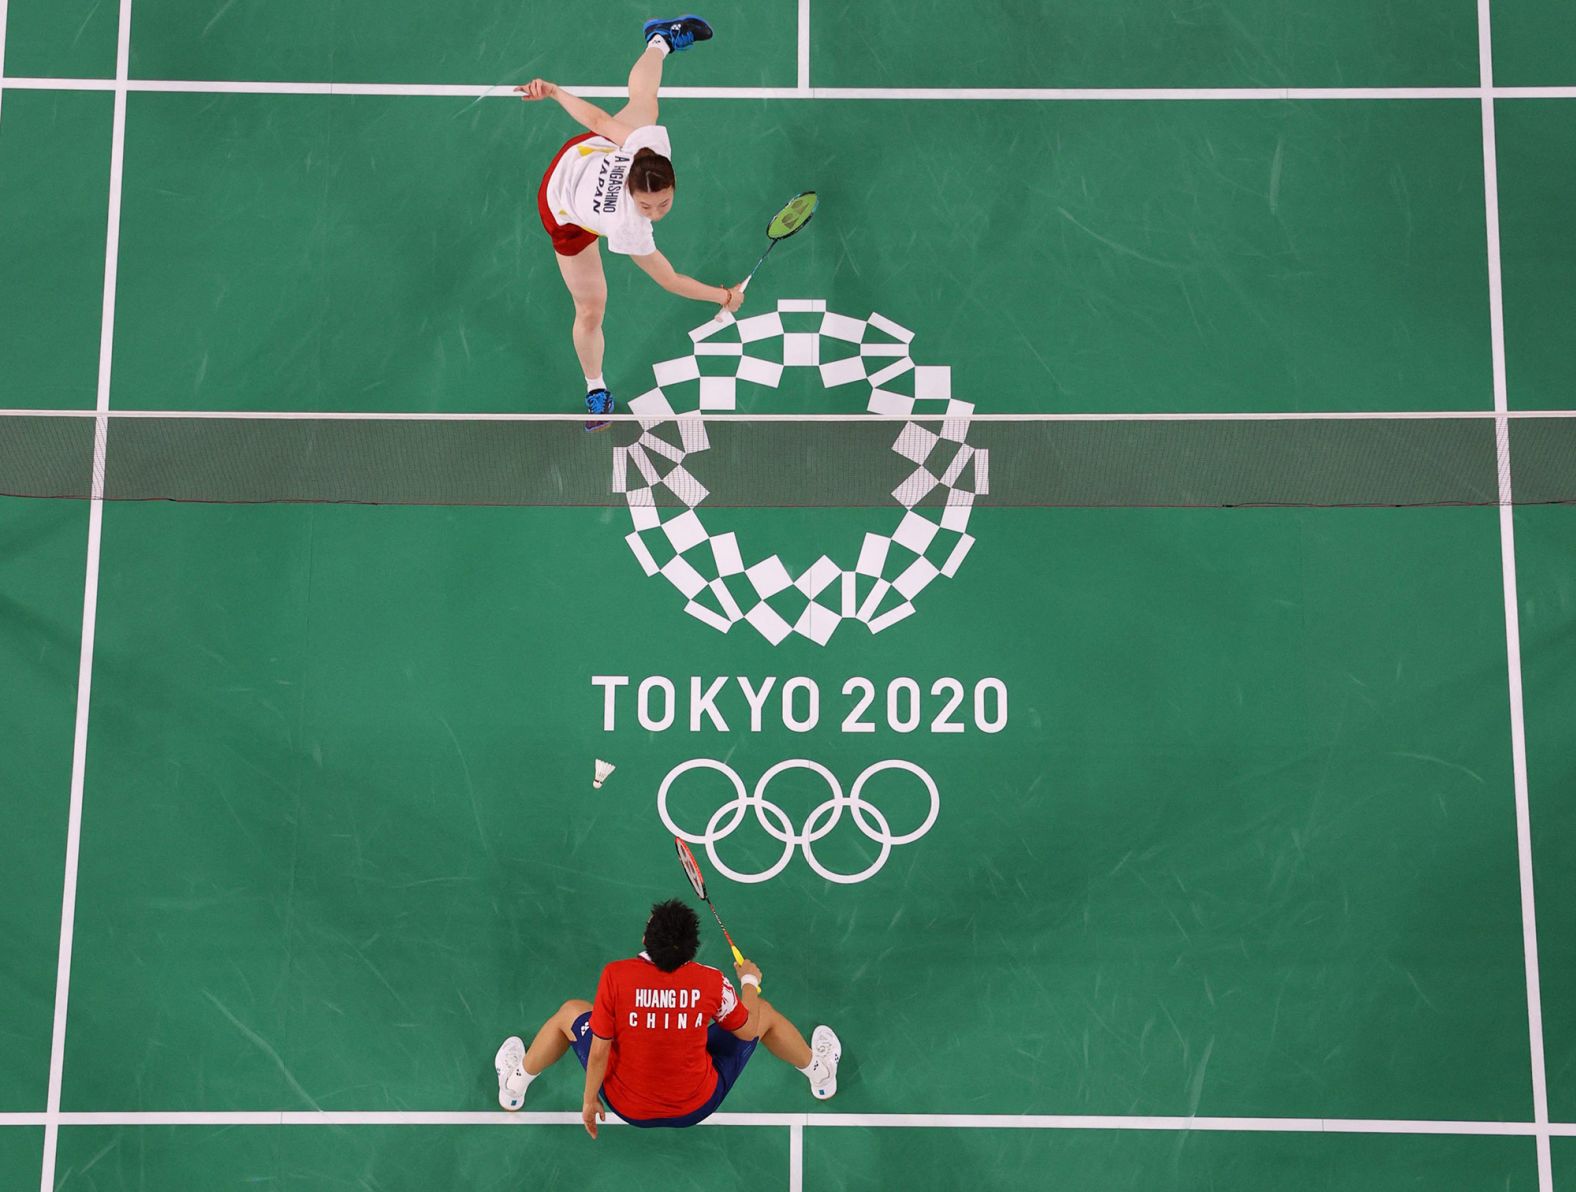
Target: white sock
[
  {"x": 595, "y": 383},
  {"x": 807, "y": 1067},
  {"x": 661, "y": 43},
  {"x": 528, "y": 1078}
]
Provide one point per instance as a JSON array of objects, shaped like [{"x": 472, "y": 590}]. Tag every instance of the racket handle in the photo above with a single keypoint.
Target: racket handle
[
  {"x": 745, "y": 284},
  {"x": 738, "y": 958}
]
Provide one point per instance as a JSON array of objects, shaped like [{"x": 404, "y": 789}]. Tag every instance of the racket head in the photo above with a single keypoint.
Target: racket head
[
  {"x": 794, "y": 215},
  {"x": 691, "y": 868}
]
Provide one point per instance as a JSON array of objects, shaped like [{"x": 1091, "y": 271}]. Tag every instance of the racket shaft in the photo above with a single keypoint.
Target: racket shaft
[
  {"x": 725, "y": 934},
  {"x": 744, "y": 285},
  {"x": 770, "y": 245},
  {"x": 738, "y": 956}
]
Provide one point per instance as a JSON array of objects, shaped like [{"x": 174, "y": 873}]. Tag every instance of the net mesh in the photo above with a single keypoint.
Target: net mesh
[{"x": 704, "y": 461}]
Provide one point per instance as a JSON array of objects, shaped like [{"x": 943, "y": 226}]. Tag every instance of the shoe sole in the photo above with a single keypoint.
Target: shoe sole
[
  {"x": 837, "y": 1057},
  {"x": 503, "y": 1095}
]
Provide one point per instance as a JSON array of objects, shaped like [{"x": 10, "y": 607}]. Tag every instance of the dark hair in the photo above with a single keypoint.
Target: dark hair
[
  {"x": 650, "y": 172},
  {"x": 672, "y": 935}
]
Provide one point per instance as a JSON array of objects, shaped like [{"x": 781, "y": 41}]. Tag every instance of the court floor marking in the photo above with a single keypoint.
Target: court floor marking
[
  {"x": 1495, "y": 416},
  {"x": 79, "y": 744},
  {"x": 1507, "y": 547},
  {"x": 872, "y": 1121},
  {"x": 998, "y": 94},
  {"x": 803, "y": 73},
  {"x": 3, "y": 6}
]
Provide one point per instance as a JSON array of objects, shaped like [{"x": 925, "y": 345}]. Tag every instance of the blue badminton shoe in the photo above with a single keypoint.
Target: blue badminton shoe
[
  {"x": 680, "y": 33},
  {"x": 599, "y": 401}
]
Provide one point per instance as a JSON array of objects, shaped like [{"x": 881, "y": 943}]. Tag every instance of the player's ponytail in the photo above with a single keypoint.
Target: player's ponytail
[{"x": 650, "y": 172}]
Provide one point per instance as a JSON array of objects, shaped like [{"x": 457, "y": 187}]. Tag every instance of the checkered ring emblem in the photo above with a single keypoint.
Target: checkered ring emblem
[{"x": 724, "y": 580}]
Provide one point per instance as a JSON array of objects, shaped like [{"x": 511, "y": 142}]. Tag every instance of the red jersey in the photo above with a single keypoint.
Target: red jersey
[{"x": 657, "y": 1022}]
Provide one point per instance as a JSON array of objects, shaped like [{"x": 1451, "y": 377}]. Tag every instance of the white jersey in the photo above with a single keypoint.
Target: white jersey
[{"x": 588, "y": 188}]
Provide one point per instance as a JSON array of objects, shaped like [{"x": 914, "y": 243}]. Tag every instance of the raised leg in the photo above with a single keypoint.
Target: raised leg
[{"x": 644, "y": 79}]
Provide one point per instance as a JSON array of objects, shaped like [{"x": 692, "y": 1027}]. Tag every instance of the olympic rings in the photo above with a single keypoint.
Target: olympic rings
[{"x": 775, "y": 822}]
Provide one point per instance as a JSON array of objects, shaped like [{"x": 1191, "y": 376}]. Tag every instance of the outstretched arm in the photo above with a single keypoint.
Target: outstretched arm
[
  {"x": 591, "y": 117},
  {"x": 674, "y": 282}
]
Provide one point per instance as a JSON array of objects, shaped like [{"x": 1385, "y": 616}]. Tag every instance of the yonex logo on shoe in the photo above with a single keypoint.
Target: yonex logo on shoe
[{"x": 721, "y": 583}]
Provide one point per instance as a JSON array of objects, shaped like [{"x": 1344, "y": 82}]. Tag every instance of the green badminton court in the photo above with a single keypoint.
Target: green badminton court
[{"x": 1222, "y": 849}]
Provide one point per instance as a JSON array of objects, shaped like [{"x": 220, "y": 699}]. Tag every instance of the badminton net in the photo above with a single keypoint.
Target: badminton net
[{"x": 739, "y": 461}]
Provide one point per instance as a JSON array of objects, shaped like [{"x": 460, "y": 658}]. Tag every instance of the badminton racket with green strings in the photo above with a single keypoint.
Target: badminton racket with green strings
[
  {"x": 692, "y": 871},
  {"x": 794, "y": 215}
]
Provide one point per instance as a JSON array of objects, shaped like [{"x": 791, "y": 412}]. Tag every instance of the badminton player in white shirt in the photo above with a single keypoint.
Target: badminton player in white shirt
[{"x": 613, "y": 183}]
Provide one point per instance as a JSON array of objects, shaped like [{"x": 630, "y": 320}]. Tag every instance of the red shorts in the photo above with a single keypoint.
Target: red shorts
[{"x": 568, "y": 239}]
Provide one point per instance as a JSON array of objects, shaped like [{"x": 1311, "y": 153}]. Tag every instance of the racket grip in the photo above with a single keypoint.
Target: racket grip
[
  {"x": 744, "y": 285},
  {"x": 738, "y": 958}
]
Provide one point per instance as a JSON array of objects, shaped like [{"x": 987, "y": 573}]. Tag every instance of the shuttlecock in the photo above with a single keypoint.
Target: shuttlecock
[{"x": 603, "y": 769}]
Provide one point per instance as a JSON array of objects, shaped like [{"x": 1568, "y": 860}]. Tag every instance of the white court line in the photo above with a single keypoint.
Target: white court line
[
  {"x": 987, "y": 94},
  {"x": 796, "y": 1157},
  {"x": 724, "y": 416},
  {"x": 864, "y": 1121},
  {"x": 3, "y": 6},
  {"x": 79, "y": 744},
  {"x": 1507, "y": 552},
  {"x": 804, "y": 46}
]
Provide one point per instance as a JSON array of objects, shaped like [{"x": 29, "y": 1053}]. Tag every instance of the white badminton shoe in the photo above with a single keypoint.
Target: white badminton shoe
[
  {"x": 825, "y": 1051},
  {"x": 511, "y": 1073}
]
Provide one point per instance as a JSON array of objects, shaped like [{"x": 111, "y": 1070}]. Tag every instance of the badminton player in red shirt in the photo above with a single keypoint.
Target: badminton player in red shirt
[{"x": 666, "y": 1038}]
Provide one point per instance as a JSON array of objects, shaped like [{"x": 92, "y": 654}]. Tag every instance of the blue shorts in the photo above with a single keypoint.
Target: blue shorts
[{"x": 728, "y": 1052}]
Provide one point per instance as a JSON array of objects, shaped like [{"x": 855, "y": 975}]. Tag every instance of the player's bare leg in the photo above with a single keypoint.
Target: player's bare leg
[
  {"x": 645, "y": 77},
  {"x": 781, "y": 1037},
  {"x": 662, "y": 38},
  {"x": 816, "y": 1059},
  {"x": 557, "y": 1033},
  {"x": 588, "y": 287}
]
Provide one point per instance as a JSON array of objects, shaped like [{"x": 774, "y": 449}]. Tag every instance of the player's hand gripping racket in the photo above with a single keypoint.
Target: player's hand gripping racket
[
  {"x": 692, "y": 869},
  {"x": 794, "y": 215}
]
